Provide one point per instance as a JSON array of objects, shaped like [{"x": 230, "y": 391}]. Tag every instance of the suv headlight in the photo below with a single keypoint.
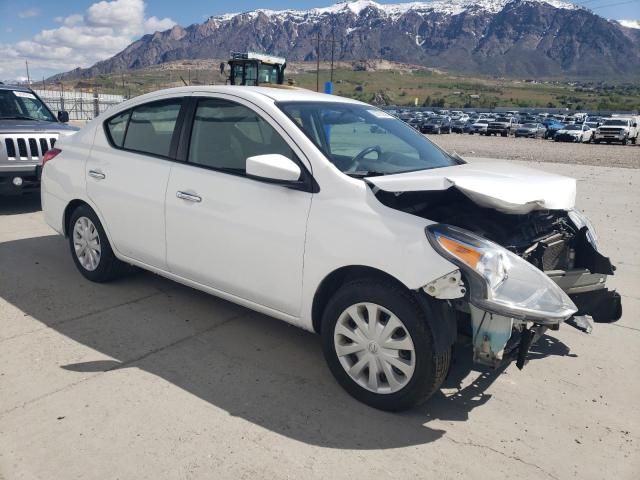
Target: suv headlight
[
  {"x": 500, "y": 281},
  {"x": 580, "y": 220}
]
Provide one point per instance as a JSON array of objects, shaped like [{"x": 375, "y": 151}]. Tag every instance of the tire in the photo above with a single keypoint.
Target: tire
[
  {"x": 624, "y": 141},
  {"x": 108, "y": 267},
  {"x": 597, "y": 142},
  {"x": 395, "y": 303},
  {"x": 504, "y": 134}
]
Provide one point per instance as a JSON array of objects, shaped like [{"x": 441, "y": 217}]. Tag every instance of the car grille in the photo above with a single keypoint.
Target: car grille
[
  {"x": 25, "y": 148},
  {"x": 611, "y": 130}
]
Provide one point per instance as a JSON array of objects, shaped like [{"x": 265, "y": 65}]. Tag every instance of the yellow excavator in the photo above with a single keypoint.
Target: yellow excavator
[{"x": 255, "y": 69}]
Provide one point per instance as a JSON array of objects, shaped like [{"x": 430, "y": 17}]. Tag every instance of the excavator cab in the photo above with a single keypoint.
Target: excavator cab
[{"x": 254, "y": 69}]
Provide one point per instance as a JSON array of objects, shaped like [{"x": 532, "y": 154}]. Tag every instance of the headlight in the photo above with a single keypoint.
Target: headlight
[
  {"x": 580, "y": 220},
  {"x": 500, "y": 281}
]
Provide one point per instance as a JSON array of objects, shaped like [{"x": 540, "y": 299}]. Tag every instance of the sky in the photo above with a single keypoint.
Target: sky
[{"x": 58, "y": 35}]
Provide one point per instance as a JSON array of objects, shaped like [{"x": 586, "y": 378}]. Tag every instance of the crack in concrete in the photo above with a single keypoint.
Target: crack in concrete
[
  {"x": 512, "y": 457},
  {"x": 123, "y": 364}
]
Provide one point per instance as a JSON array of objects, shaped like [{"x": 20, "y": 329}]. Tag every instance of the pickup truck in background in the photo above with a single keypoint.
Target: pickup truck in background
[
  {"x": 618, "y": 129},
  {"x": 503, "y": 126},
  {"x": 28, "y": 129}
]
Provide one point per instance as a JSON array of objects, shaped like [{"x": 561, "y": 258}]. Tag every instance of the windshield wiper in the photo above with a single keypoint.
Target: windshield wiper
[{"x": 365, "y": 173}]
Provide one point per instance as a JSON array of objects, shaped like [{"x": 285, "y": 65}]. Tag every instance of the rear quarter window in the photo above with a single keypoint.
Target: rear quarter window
[{"x": 116, "y": 128}]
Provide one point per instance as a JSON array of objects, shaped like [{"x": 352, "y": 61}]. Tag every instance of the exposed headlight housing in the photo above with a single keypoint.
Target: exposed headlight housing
[
  {"x": 499, "y": 281},
  {"x": 580, "y": 220}
]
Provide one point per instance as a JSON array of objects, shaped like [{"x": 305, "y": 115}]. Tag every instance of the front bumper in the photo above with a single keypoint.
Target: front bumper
[
  {"x": 611, "y": 137},
  {"x": 566, "y": 138},
  {"x": 497, "y": 339},
  {"x": 29, "y": 180}
]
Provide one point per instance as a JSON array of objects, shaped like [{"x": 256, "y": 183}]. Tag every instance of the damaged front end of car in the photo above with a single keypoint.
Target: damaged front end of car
[{"x": 523, "y": 268}]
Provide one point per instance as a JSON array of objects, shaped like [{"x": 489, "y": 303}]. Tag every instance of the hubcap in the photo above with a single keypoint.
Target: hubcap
[
  {"x": 374, "y": 348},
  {"x": 86, "y": 243}
]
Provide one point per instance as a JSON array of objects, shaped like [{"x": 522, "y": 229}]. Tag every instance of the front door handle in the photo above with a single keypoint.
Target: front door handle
[
  {"x": 190, "y": 197},
  {"x": 97, "y": 174}
]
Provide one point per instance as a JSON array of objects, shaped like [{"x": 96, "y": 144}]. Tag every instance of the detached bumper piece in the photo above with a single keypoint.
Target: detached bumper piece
[{"x": 604, "y": 306}]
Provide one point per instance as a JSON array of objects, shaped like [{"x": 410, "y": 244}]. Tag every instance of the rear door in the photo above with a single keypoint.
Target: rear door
[
  {"x": 238, "y": 235},
  {"x": 127, "y": 175}
]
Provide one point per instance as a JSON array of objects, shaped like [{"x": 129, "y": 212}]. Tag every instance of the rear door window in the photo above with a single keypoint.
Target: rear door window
[{"x": 151, "y": 127}]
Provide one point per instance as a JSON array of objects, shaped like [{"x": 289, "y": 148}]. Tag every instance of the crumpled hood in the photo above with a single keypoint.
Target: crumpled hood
[{"x": 501, "y": 185}]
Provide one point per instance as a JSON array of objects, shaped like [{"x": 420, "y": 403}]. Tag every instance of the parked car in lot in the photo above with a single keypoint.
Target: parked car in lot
[
  {"x": 622, "y": 130},
  {"x": 28, "y": 129},
  {"x": 286, "y": 202},
  {"x": 531, "y": 130},
  {"x": 479, "y": 126},
  {"x": 552, "y": 128},
  {"x": 574, "y": 133},
  {"x": 436, "y": 125},
  {"x": 502, "y": 126},
  {"x": 461, "y": 126}
]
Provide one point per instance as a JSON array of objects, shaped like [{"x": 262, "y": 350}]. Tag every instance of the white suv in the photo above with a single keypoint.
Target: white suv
[{"x": 333, "y": 216}]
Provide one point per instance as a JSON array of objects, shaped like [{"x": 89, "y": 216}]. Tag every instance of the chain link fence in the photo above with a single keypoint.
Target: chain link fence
[{"x": 80, "y": 105}]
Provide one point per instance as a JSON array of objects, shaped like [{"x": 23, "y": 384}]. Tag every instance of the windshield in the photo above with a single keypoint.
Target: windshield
[
  {"x": 529, "y": 125},
  {"x": 616, "y": 122},
  {"x": 361, "y": 140},
  {"x": 23, "y": 106},
  {"x": 573, "y": 127},
  {"x": 502, "y": 119},
  {"x": 483, "y": 121}
]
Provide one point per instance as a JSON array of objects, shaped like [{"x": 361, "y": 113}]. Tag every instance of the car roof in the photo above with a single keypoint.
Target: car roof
[{"x": 277, "y": 94}]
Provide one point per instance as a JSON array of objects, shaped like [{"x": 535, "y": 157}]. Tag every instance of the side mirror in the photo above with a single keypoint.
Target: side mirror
[
  {"x": 273, "y": 167},
  {"x": 635, "y": 125},
  {"x": 63, "y": 116}
]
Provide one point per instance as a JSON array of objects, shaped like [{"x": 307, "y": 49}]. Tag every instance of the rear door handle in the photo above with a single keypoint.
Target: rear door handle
[
  {"x": 97, "y": 174},
  {"x": 190, "y": 197}
]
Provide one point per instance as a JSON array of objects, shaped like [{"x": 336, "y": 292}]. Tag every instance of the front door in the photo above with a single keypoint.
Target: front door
[{"x": 238, "y": 235}]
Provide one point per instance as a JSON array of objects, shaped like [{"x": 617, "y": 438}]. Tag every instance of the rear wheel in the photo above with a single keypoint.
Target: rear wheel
[
  {"x": 379, "y": 346},
  {"x": 90, "y": 247}
]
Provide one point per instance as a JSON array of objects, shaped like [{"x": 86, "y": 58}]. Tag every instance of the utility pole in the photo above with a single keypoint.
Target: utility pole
[
  {"x": 333, "y": 44},
  {"x": 28, "y": 77},
  {"x": 318, "y": 64}
]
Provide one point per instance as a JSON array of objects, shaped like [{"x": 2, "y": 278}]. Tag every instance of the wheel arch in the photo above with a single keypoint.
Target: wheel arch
[
  {"x": 332, "y": 282},
  {"x": 68, "y": 212}
]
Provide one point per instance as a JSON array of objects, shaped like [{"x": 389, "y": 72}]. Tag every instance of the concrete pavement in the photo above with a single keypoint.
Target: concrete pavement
[{"x": 146, "y": 379}]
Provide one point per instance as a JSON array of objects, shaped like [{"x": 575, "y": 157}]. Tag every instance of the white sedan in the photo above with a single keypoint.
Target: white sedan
[{"x": 293, "y": 204}]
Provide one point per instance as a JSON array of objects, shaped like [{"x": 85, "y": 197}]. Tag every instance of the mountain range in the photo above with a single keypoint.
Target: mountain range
[{"x": 514, "y": 38}]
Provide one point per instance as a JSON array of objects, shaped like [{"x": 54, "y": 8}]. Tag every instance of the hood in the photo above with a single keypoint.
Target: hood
[
  {"x": 35, "y": 126},
  {"x": 496, "y": 184}
]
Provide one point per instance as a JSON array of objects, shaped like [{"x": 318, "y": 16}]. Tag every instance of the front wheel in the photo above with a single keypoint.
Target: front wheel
[
  {"x": 90, "y": 247},
  {"x": 379, "y": 347}
]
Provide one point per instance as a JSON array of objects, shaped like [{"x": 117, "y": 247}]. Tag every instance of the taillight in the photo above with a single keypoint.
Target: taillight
[{"x": 50, "y": 155}]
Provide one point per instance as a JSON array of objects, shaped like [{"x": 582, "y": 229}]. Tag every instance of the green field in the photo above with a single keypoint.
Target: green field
[{"x": 399, "y": 86}]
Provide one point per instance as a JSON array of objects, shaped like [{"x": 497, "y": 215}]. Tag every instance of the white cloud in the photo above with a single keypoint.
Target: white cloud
[
  {"x": 29, "y": 12},
  {"x": 80, "y": 40}
]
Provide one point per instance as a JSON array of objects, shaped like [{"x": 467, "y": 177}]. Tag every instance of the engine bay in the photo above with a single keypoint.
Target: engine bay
[{"x": 548, "y": 239}]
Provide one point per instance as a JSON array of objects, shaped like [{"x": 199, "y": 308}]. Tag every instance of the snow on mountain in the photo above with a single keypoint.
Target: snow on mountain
[
  {"x": 446, "y": 7},
  {"x": 630, "y": 23}
]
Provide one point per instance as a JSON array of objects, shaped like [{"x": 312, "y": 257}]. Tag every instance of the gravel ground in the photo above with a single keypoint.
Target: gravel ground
[{"x": 539, "y": 150}]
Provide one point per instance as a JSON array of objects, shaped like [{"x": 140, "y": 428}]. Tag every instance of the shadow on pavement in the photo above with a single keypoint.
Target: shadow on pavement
[
  {"x": 254, "y": 367},
  {"x": 17, "y": 204}
]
